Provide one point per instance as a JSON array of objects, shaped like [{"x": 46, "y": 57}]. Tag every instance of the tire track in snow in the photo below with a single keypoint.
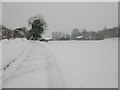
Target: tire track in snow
[
  {"x": 39, "y": 59},
  {"x": 55, "y": 78}
]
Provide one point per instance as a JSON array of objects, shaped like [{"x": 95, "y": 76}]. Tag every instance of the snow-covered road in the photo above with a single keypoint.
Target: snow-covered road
[
  {"x": 37, "y": 70},
  {"x": 62, "y": 64}
]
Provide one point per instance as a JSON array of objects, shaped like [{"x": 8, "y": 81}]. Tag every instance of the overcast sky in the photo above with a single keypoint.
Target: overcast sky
[
  {"x": 1, "y": 13},
  {"x": 62, "y": 16}
]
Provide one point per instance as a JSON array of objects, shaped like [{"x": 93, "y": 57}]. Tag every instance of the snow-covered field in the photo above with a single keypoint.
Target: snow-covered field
[
  {"x": 87, "y": 64},
  {"x": 71, "y": 64},
  {"x": 0, "y": 65}
]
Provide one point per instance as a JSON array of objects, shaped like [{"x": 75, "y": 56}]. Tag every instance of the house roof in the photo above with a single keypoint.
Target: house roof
[{"x": 79, "y": 37}]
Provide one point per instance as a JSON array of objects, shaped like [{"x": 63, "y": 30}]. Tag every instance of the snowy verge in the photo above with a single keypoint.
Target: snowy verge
[
  {"x": 13, "y": 50},
  {"x": 37, "y": 70},
  {"x": 8, "y": 72}
]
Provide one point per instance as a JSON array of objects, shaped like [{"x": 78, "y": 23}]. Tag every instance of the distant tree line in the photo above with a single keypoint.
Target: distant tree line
[
  {"x": 88, "y": 35},
  {"x": 76, "y": 34},
  {"x": 38, "y": 26},
  {"x": 60, "y": 36}
]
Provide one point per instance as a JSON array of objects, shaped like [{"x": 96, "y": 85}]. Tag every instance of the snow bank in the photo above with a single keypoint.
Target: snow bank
[
  {"x": 87, "y": 64},
  {"x": 12, "y": 50}
]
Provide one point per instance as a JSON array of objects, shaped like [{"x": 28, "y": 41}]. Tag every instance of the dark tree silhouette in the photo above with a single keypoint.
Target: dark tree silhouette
[
  {"x": 6, "y": 32},
  {"x": 38, "y": 26},
  {"x": 19, "y": 33}
]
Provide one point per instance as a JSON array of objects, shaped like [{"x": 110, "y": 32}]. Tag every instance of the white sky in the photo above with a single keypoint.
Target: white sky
[
  {"x": 0, "y": 13},
  {"x": 62, "y": 16}
]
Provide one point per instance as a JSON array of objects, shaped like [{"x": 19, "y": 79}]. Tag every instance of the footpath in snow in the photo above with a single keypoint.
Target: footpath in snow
[{"x": 36, "y": 70}]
